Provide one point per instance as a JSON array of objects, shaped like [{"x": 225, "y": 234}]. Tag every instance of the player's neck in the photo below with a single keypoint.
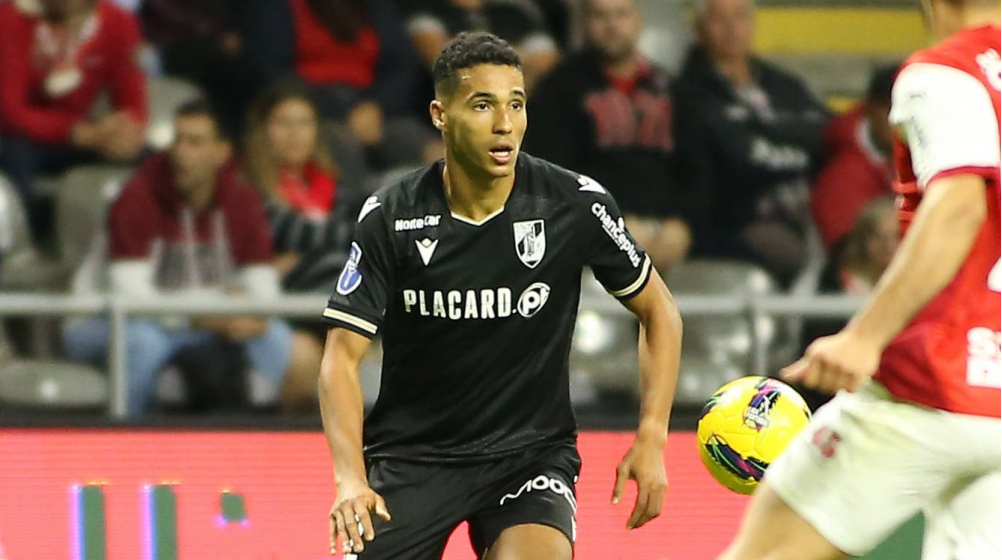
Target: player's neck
[
  {"x": 474, "y": 196},
  {"x": 955, "y": 20},
  {"x": 980, "y": 17}
]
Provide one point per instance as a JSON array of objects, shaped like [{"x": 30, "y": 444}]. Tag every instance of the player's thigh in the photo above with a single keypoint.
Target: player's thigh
[
  {"x": 964, "y": 525},
  {"x": 861, "y": 468},
  {"x": 426, "y": 504},
  {"x": 771, "y": 530},
  {"x": 530, "y": 542},
  {"x": 538, "y": 492}
]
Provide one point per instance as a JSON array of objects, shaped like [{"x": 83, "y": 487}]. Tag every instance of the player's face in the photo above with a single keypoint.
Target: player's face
[
  {"x": 292, "y": 132},
  {"x": 613, "y": 27},
  {"x": 484, "y": 120},
  {"x": 727, "y": 28}
]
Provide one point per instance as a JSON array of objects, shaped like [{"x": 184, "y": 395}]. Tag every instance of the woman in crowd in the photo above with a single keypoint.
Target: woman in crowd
[{"x": 309, "y": 212}]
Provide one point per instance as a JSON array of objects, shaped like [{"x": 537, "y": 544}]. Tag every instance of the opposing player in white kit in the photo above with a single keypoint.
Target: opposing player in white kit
[{"x": 916, "y": 424}]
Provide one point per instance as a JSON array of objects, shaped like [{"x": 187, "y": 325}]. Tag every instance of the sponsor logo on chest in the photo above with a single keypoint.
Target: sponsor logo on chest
[
  {"x": 415, "y": 224},
  {"x": 487, "y": 303}
]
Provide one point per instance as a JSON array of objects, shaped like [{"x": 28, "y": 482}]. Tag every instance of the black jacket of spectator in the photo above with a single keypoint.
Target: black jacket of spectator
[
  {"x": 580, "y": 120},
  {"x": 323, "y": 244},
  {"x": 741, "y": 157}
]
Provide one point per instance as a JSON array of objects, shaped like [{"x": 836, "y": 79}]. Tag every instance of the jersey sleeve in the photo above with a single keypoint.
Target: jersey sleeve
[
  {"x": 362, "y": 289},
  {"x": 947, "y": 119},
  {"x": 618, "y": 262}
]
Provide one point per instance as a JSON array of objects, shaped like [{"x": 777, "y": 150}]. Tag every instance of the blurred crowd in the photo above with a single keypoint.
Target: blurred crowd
[{"x": 305, "y": 107}]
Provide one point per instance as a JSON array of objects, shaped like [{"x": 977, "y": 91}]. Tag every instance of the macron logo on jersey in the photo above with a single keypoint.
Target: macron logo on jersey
[
  {"x": 589, "y": 185},
  {"x": 426, "y": 247},
  {"x": 368, "y": 206}
]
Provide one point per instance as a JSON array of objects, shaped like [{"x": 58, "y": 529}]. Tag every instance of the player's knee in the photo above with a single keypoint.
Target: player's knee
[{"x": 530, "y": 542}]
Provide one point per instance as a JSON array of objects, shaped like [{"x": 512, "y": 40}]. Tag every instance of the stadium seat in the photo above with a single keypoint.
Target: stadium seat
[
  {"x": 24, "y": 268},
  {"x": 81, "y": 205},
  {"x": 604, "y": 346},
  {"x": 720, "y": 344},
  {"x": 50, "y": 385},
  {"x": 166, "y": 94}
]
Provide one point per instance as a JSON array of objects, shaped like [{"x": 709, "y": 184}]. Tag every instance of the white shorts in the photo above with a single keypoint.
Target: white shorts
[{"x": 867, "y": 463}]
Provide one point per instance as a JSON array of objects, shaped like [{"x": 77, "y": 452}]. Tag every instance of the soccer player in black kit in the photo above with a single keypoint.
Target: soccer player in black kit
[{"x": 470, "y": 269}]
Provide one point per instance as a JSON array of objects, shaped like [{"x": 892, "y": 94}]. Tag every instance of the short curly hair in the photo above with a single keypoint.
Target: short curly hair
[{"x": 469, "y": 49}]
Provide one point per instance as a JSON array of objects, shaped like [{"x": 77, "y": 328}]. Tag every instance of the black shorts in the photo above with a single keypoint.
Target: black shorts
[{"x": 428, "y": 501}]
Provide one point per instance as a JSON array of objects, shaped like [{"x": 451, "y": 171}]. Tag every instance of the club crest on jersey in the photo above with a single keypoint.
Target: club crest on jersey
[
  {"x": 530, "y": 242},
  {"x": 350, "y": 277}
]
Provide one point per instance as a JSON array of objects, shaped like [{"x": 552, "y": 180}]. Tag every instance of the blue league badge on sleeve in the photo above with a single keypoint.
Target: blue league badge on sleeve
[{"x": 351, "y": 276}]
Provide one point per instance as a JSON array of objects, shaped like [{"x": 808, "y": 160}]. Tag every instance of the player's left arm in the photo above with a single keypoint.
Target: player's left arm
[
  {"x": 947, "y": 118},
  {"x": 660, "y": 348}
]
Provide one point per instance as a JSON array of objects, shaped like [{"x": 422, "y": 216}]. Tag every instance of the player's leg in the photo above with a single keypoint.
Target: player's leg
[
  {"x": 963, "y": 522},
  {"x": 530, "y": 542},
  {"x": 964, "y": 525},
  {"x": 862, "y": 468},
  {"x": 526, "y": 507},
  {"x": 426, "y": 504},
  {"x": 771, "y": 530}
]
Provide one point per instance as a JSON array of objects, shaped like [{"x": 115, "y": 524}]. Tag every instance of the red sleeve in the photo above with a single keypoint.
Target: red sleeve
[
  {"x": 132, "y": 220},
  {"x": 250, "y": 237},
  {"x": 16, "y": 114},
  {"x": 841, "y": 191},
  {"x": 128, "y": 83}
]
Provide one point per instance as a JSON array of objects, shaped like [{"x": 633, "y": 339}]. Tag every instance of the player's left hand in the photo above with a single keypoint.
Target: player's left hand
[
  {"x": 644, "y": 464},
  {"x": 841, "y": 361}
]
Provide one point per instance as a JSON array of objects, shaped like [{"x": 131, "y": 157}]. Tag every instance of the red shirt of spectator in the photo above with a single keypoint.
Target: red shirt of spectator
[
  {"x": 313, "y": 194},
  {"x": 105, "y": 54},
  {"x": 856, "y": 174},
  {"x": 151, "y": 211},
  {"x": 323, "y": 59}
]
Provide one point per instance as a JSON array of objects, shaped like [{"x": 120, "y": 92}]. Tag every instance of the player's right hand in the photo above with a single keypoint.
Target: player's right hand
[{"x": 350, "y": 521}]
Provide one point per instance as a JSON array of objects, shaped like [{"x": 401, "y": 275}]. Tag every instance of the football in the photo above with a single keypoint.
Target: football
[{"x": 745, "y": 425}]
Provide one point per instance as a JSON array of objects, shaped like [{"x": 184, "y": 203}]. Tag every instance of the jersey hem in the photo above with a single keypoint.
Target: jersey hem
[
  {"x": 445, "y": 460},
  {"x": 980, "y": 170},
  {"x": 638, "y": 285},
  {"x": 340, "y": 318}
]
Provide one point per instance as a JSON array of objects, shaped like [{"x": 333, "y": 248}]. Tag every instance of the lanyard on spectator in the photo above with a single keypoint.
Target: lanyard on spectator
[{"x": 64, "y": 75}]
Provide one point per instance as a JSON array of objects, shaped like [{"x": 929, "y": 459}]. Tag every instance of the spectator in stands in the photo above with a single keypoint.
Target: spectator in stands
[
  {"x": 310, "y": 212},
  {"x": 752, "y": 150},
  {"x": 606, "y": 111},
  {"x": 201, "y": 41},
  {"x": 187, "y": 222},
  {"x": 859, "y": 167},
  {"x": 433, "y": 23},
  {"x": 869, "y": 246},
  {"x": 855, "y": 267},
  {"x": 356, "y": 59},
  {"x": 56, "y": 57}
]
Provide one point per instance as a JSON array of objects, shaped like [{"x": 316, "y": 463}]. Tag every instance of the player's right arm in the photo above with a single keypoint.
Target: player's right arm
[
  {"x": 948, "y": 121},
  {"x": 355, "y": 313},
  {"x": 341, "y": 409}
]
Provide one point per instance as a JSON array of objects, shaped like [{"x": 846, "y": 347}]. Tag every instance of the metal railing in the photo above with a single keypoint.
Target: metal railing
[{"x": 120, "y": 309}]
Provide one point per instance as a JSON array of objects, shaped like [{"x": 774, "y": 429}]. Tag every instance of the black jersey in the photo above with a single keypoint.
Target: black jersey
[{"x": 476, "y": 318}]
